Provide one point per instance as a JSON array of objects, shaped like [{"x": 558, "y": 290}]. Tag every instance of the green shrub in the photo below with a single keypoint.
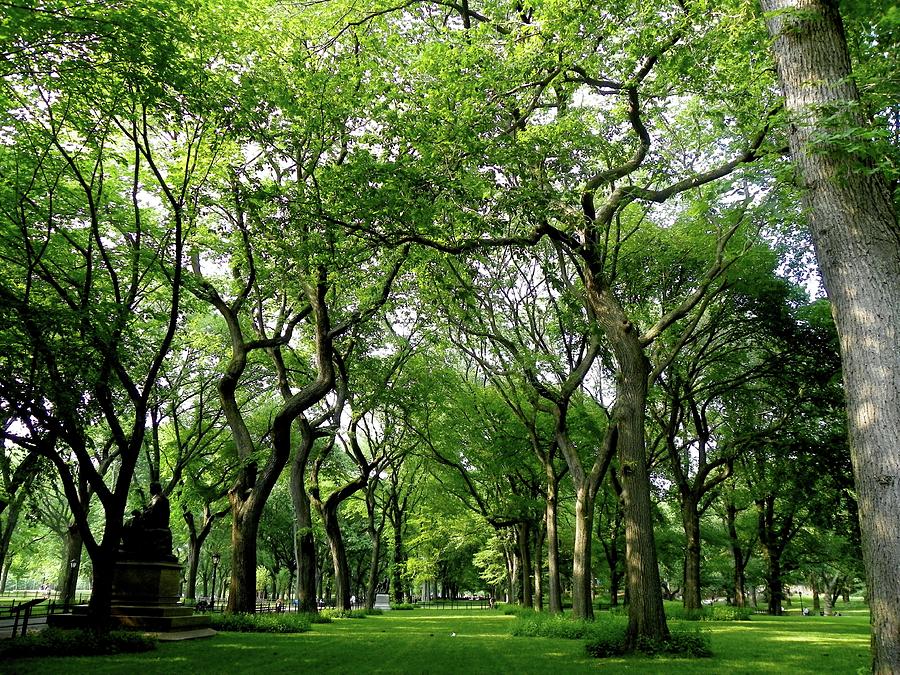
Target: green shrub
[
  {"x": 344, "y": 613},
  {"x": 687, "y": 642},
  {"x": 605, "y": 630},
  {"x": 261, "y": 623},
  {"x": 606, "y": 646},
  {"x": 373, "y": 612},
  {"x": 608, "y": 640},
  {"x": 728, "y": 613},
  {"x": 536, "y": 624},
  {"x": 319, "y": 617},
  {"x": 402, "y": 605},
  {"x": 61, "y": 642}
]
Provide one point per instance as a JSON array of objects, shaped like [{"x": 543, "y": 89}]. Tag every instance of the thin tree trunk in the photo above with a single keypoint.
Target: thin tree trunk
[
  {"x": 523, "y": 535},
  {"x": 854, "y": 227},
  {"x": 582, "y": 601},
  {"x": 397, "y": 564},
  {"x": 737, "y": 555},
  {"x": 552, "y": 518},
  {"x": 539, "y": 567},
  {"x": 338, "y": 556}
]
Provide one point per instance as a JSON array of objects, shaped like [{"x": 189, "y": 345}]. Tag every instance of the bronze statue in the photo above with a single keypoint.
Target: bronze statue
[{"x": 146, "y": 536}]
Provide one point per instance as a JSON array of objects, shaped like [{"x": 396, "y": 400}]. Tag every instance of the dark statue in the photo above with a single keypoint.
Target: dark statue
[{"x": 146, "y": 536}]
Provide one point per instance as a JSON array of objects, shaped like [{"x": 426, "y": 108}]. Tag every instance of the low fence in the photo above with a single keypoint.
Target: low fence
[
  {"x": 455, "y": 604},
  {"x": 19, "y": 613}
]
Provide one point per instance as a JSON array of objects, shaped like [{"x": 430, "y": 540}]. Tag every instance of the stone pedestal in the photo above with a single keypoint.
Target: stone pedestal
[
  {"x": 382, "y": 601},
  {"x": 145, "y": 597},
  {"x": 139, "y": 582}
]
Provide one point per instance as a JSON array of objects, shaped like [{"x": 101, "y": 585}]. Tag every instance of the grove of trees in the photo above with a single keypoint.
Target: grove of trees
[{"x": 539, "y": 301}]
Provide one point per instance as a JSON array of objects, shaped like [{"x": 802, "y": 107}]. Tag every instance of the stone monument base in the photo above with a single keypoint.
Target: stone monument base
[
  {"x": 145, "y": 582},
  {"x": 144, "y": 597}
]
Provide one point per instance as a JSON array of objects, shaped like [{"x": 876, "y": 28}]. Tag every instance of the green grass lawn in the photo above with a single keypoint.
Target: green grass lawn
[{"x": 420, "y": 641}]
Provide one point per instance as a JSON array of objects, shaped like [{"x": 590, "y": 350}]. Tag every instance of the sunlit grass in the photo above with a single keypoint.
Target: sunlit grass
[{"x": 423, "y": 641}]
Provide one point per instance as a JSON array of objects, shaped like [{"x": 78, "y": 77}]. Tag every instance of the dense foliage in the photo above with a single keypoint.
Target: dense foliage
[{"x": 494, "y": 302}]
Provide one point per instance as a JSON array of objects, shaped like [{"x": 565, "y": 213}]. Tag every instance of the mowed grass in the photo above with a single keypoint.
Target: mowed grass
[{"x": 422, "y": 641}]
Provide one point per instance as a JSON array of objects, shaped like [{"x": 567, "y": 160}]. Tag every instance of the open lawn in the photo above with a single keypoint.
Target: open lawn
[{"x": 421, "y": 641}]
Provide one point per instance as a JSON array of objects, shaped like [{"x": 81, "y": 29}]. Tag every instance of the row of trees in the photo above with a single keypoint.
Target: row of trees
[{"x": 538, "y": 247}]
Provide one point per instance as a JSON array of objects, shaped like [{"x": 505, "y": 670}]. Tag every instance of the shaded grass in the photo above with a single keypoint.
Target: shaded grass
[{"x": 422, "y": 642}]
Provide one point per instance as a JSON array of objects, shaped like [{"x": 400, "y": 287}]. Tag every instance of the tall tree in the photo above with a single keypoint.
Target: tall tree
[
  {"x": 853, "y": 220},
  {"x": 102, "y": 181}
]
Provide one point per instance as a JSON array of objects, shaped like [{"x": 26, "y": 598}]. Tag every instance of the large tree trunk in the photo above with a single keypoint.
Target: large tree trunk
[
  {"x": 244, "y": 528},
  {"x": 375, "y": 531},
  {"x": 854, "y": 228},
  {"x": 690, "y": 519},
  {"x": 71, "y": 565},
  {"x": 774, "y": 585},
  {"x": 773, "y": 539},
  {"x": 582, "y": 579},
  {"x": 305, "y": 542},
  {"x": 646, "y": 614}
]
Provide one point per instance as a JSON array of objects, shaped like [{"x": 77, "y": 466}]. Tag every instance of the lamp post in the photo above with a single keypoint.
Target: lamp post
[
  {"x": 800, "y": 593},
  {"x": 216, "y": 557}
]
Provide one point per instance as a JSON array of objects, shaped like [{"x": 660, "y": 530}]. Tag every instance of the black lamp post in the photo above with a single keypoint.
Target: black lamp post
[
  {"x": 800, "y": 593},
  {"x": 216, "y": 557}
]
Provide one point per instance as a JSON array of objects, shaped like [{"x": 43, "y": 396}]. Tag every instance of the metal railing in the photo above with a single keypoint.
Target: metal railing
[{"x": 16, "y": 616}]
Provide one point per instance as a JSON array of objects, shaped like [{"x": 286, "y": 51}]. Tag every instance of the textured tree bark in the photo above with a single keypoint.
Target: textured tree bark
[
  {"x": 773, "y": 539},
  {"x": 646, "y": 614},
  {"x": 306, "y": 559},
  {"x": 242, "y": 588},
  {"x": 554, "y": 586},
  {"x": 775, "y": 587},
  {"x": 338, "y": 555},
  {"x": 69, "y": 576},
  {"x": 690, "y": 519},
  {"x": 854, "y": 228},
  {"x": 306, "y": 544},
  {"x": 737, "y": 554},
  {"x": 523, "y": 537},
  {"x": 538, "y": 567},
  {"x": 375, "y": 531},
  {"x": 582, "y": 603}
]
